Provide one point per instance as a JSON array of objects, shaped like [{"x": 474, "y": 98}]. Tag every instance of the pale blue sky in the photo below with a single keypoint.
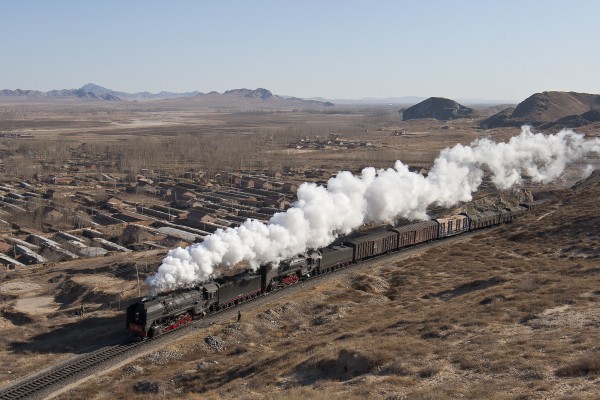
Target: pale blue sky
[{"x": 336, "y": 49}]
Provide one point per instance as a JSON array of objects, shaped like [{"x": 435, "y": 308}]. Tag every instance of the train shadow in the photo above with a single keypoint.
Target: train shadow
[
  {"x": 79, "y": 337},
  {"x": 465, "y": 289}
]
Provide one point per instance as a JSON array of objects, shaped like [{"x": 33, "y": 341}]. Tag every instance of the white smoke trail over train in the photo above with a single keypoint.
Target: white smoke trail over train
[{"x": 322, "y": 213}]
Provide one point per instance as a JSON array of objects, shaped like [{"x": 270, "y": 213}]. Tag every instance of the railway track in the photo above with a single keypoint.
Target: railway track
[
  {"x": 41, "y": 384},
  {"x": 38, "y": 382}
]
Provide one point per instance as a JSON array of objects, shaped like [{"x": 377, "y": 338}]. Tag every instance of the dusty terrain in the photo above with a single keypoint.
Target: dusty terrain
[
  {"x": 40, "y": 311},
  {"x": 524, "y": 326},
  {"x": 550, "y": 110},
  {"x": 511, "y": 313}
]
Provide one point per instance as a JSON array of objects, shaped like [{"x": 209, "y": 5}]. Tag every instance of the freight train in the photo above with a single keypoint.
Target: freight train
[{"x": 154, "y": 316}]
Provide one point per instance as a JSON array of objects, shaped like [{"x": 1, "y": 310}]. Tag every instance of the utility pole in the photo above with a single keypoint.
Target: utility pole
[{"x": 137, "y": 273}]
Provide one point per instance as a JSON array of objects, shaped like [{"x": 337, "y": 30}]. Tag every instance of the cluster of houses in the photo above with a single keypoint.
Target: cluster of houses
[
  {"x": 60, "y": 246},
  {"x": 157, "y": 211},
  {"x": 333, "y": 141}
]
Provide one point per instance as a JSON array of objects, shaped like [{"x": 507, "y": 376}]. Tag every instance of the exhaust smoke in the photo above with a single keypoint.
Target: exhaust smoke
[{"x": 322, "y": 213}]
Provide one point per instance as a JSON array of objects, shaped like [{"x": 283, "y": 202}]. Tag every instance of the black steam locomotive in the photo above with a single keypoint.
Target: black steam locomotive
[{"x": 158, "y": 315}]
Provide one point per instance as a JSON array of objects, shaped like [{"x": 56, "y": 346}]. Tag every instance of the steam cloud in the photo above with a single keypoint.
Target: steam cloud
[{"x": 322, "y": 213}]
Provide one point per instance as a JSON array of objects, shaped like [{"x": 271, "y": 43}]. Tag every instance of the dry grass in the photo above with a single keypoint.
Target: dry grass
[
  {"x": 383, "y": 333},
  {"x": 586, "y": 366},
  {"x": 347, "y": 338}
]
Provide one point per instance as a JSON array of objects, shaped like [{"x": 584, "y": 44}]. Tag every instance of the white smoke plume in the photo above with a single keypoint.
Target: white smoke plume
[{"x": 322, "y": 213}]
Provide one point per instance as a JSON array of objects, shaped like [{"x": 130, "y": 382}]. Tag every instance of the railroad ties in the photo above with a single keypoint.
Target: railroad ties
[{"x": 37, "y": 383}]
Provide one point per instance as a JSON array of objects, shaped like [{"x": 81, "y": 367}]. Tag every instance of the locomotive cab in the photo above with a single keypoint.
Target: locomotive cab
[{"x": 210, "y": 296}]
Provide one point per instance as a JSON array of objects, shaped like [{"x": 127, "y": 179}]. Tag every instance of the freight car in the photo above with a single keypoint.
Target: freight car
[
  {"x": 373, "y": 244},
  {"x": 421, "y": 232},
  {"x": 453, "y": 225},
  {"x": 483, "y": 220},
  {"x": 154, "y": 316},
  {"x": 335, "y": 257},
  {"x": 533, "y": 204}
]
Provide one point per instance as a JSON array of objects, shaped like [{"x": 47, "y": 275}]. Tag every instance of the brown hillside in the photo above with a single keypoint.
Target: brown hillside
[
  {"x": 545, "y": 107},
  {"x": 439, "y": 108},
  {"x": 510, "y": 313},
  {"x": 550, "y": 106},
  {"x": 246, "y": 99}
]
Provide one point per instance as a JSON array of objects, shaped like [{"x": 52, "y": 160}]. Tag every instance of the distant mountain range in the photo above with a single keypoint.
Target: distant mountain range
[
  {"x": 91, "y": 91},
  {"x": 249, "y": 99},
  {"x": 99, "y": 90},
  {"x": 406, "y": 100},
  {"x": 546, "y": 109},
  {"x": 58, "y": 94},
  {"x": 371, "y": 100},
  {"x": 237, "y": 98}
]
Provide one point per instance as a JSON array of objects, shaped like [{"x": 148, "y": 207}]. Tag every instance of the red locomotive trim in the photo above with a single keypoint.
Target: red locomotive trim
[
  {"x": 136, "y": 328},
  {"x": 288, "y": 280},
  {"x": 242, "y": 296},
  {"x": 184, "y": 319}
]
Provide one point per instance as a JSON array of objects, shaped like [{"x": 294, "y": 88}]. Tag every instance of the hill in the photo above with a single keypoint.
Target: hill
[
  {"x": 439, "y": 108},
  {"x": 88, "y": 91},
  {"x": 248, "y": 99},
  {"x": 139, "y": 96},
  {"x": 62, "y": 94},
  {"x": 550, "y": 108}
]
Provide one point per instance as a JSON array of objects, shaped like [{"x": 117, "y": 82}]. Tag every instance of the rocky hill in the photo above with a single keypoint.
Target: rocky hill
[
  {"x": 549, "y": 109},
  {"x": 249, "y": 99},
  {"x": 62, "y": 94},
  {"x": 89, "y": 91},
  {"x": 232, "y": 99},
  {"x": 139, "y": 96},
  {"x": 439, "y": 108}
]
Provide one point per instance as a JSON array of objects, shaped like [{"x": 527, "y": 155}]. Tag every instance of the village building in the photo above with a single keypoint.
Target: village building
[
  {"x": 59, "y": 180},
  {"x": 196, "y": 215},
  {"x": 54, "y": 215},
  {"x": 135, "y": 233},
  {"x": 114, "y": 203}
]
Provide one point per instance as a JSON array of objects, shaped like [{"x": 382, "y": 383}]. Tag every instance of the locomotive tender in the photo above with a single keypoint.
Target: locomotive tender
[{"x": 154, "y": 316}]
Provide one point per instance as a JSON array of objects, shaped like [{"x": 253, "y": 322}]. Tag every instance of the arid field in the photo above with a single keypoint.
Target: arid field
[{"x": 508, "y": 313}]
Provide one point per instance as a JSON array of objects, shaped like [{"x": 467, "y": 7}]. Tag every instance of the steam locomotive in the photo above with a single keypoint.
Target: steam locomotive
[{"x": 155, "y": 316}]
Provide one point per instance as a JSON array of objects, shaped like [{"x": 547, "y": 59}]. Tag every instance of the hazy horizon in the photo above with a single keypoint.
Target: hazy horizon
[{"x": 463, "y": 49}]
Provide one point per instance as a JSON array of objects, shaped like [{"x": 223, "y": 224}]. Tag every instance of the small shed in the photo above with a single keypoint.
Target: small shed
[
  {"x": 201, "y": 216},
  {"x": 248, "y": 182},
  {"x": 289, "y": 187}
]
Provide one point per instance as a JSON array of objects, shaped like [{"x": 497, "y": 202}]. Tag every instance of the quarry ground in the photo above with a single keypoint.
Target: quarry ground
[{"x": 508, "y": 313}]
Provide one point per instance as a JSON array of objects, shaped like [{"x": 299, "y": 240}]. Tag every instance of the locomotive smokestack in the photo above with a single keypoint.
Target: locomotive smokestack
[{"x": 322, "y": 213}]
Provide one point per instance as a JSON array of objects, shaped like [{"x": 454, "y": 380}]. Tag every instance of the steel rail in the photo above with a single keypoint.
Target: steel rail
[{"x": 39, "y": 384}]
